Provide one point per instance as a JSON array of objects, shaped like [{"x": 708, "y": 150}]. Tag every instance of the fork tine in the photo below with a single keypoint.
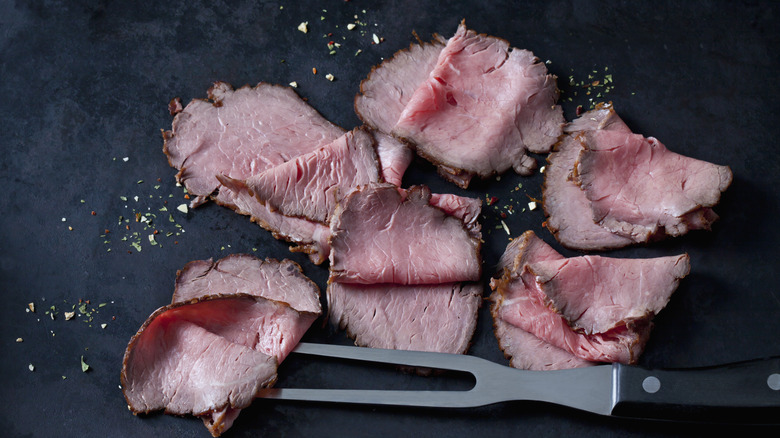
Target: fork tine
[{"x": 443, "y": 361}]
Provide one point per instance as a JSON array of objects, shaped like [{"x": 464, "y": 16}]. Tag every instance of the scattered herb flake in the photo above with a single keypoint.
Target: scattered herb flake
[
  {"x": 304, "y": 27},
  {"x": 84, "y": 366}
]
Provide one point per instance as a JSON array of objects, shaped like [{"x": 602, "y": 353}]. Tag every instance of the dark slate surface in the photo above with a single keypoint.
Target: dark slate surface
[{"x": 86, "y": 84}]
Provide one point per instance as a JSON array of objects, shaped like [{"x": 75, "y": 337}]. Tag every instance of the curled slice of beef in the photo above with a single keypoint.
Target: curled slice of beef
[
  {"x": 440, "y": 317},
  {"x": 310, "y": 185},
  {"x": 482, "y": 108},
  {"x": 203, "y": 356},
  {"x": 526, "y": 351},
  {"x": 380, "y": 237},
  {"x": 465, "y": 208},
  {"x": 568, "y": 212},
  {"x": 242, "y": 273},
  {"x": 639, "y": 189},
  {"x": 394, "y": 157},
  {"x": 388, "y": 88},
  {"x": 241, "y": 132},
  {"x": 308, "y": 236},
  {"x": 596, "y": 294},
  {"x": 518, "y": 300}
]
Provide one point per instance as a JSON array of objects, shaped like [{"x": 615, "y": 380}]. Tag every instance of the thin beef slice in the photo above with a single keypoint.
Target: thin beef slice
[
  {"x": 378, "y": 236},
  {"x": 482, "y": 108},
  {"x": 639, "y": 189},
  {"x": 440, "y": 317}
]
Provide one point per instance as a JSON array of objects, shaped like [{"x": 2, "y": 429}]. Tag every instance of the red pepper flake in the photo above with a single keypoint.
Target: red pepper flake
[
  {"x": 579, "y": 110},
  {"x": 154, "y": 232},
  {"x": 106, "y": 231},
  {"x": 314, "y": 70},
  {"x": 503, "y": 215},
  {"x": 113, "y": 318},
  {"x": 544, "y": 224},
  {"x": 159, "y": 179},
  {"x": 330, "y": 34},
  {"x": 94, "y": 213},
  {"x": 492, "y": 200},
  {"x": 127, "y": 227}
]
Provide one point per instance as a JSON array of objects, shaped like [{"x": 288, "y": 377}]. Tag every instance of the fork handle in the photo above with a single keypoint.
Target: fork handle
[{"x": 740, "y": 392}]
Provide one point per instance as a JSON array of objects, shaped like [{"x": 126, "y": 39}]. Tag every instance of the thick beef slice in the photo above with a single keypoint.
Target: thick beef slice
[
  {"x": 440, "y": 317},
  {"x": 380, "y": 237},
  {"x": 241, "y": 132},
  {"x": 639, "y": 189},
  {"x": 596, "y": 294},
  {"x": 388, "y": 88},
  {"x": 567, "y": 208},
  {"x": 482, "y": 108},
  {"x": 310, "y": 185},
  {"x": 518, "y": 300}
]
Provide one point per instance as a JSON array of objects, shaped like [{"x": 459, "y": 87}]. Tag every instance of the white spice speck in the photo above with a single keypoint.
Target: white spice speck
[
  {"x": 31, "y": 367},
  {"x": 103, "y": 326},
  {"x": 304, "y": 27},
  {"x": 126, "y": 159},
  {"x": 532, "y": 205},
  {"x": 182, "y": 208},
  {"x": 330, "y": 77},
  {"x": 376, "y": 39},
  {"x": 63, "y": 219},
  {"x": 19, "y": 340},
  {"x": 506, "y": 228},
  {"x": 542, "y": 169},
  {"x": 69, "y": 315},
  {"x": 351, "y": 26},
  {"x": 294, "y": 84}
]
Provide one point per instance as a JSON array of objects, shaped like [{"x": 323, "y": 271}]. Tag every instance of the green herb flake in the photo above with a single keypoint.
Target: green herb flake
[{"x": 84, "y": 365}]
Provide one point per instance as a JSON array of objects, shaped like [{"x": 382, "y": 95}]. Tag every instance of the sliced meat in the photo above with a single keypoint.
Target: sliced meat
[
  {"x": 380, "y": 237},
  {"x": 242, "y": 273},
  {"x": 596, "y": 294},
  {"x": 394, "y": 157},
  {"x": 310, "y": 185},
  {"x": 519, "y": 300},
  {"x": 639, "y": 189},
  {"x": 308, "y": 236},
  {"x": 527, "y": 352},
  {"x": 565, "y": 204},
  {"x": 205, "y": 355},
  {"x": 465, "y": 208},
  {"x": 239, "y": 133},
  {"x": 388, "y": 88},
  {"x": 482, "y": 108},
  {"x": 439, "y": 317},
  {"x": 242, "y": 132}
]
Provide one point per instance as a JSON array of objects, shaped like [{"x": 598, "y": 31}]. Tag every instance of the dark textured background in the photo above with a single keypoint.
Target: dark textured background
[{"x": 86, "y": 83}]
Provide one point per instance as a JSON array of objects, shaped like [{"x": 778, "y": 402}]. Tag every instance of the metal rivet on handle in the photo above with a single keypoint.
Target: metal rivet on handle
[
  {"x": 651, "y": 384},
  {"x": 773, "y": 381}
]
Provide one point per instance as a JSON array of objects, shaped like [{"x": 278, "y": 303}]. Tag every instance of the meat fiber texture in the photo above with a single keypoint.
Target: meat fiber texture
[
  {"x": 607, "y": 188},
  {"x": 377, "y": 236},
  {"x": 235, "y": 304},
  {"x": 310, "y": 185},
  {"x": 596, "y": 308},
  {"x": 402, "y": 269},
  {"x": 242, "y": 273},
  {"x": 205, "y": 355},
  {"x": 238, "y": 134},
  {"x": 481, "y": 109},
  {"x": 440, "y": 317}
]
